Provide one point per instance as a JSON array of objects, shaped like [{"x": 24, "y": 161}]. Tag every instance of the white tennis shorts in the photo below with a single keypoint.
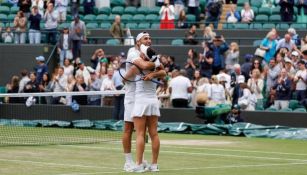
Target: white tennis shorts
[
  {"x": 129, "y": 105},
  {"x": 146, "y": 107}
]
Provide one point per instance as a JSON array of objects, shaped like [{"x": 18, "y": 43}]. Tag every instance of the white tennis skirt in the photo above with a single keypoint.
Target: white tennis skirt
[{"x": 146, "y": 107}]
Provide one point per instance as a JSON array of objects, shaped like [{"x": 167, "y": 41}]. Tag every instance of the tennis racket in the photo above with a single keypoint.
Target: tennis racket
[{"x": 127, "y": 65}]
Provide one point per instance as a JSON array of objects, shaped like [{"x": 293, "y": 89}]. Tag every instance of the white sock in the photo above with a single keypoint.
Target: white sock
[
  {"x": 128, "y": 157},
  {"x": 154, "y": 165}
]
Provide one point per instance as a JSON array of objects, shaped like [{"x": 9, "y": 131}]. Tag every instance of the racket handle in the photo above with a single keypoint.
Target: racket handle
[{"x": 156, "y": 81}]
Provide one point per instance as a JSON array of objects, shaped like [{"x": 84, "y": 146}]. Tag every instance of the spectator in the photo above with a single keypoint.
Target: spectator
[
  {"x": 20, "y": 25},
  {"x": 74, "y": 4},
  {"x": 32, "y": 85},
  {"x": 301, "y": 81},
  {"x": 45, "y": 86},
  {"x": 117, "y": 30},
  {"x": 205, "y": 65},
  {"x": 290, "y": 69},
  {"x": 118, "y": 110},
  {"x": 233, "y": 16},
  {"x": 78, "y": 34},
  {"x": 302, "y": 11},
  {"x": 89, "y": 7},
  {"x": 171, "y": 64},
  {"x": 286, "y": 43},
  {"x": 271, "y": 74},
  {"x": 133, "y": 3},
  {"x": 208, "y": 34},
  {"x": 8, "y": 36},
  {"x": 34, "y": 30},
  {"x": 179, "y": 6},
  {"x": 234, "y": 116},
  {"x": 180, "y": 87},
  {"x": 71, "y": 81},
  {"x": 51, "y": 23},
  {"x": 247, "y": 14},
  {"x": 108, "y": 85},
  {"x": 217, "y": 92},
  {"x": 268, "y": 4},
  {"x": 295, "y": 58},
  {"x": 190, "y": 36},
  {"x": 294, "y": 36},
  {"x": 213, "y": 13},
  {"x": 24, "y": 80},
  {"x": 256, "y": 84},
  {"x": 182, "y": 20},
  {"x": 84, "y": 72},
  {"x": 80, "y": 86},
  {"x": 24, "y": 6},
  {"x": 94, "y": 85},
  {"x": 247, "y": 100},
  {"x": 96, "y": 57},
  {"x": 167, "y": 13},
  {"x": 40, "y": 68},
  {"x": 256, "y": 65},
  {"x": 246, "y": 66},
  {"x": 163, "y": 94},
  {"x": 286, "y": 10},
  {"x": 68, "y": 68},
  {"x": 269, "y": 44},
  {"x": 203, "y": 91},
  {"x": 224, "y": 77},
  {"x": 236, "y": 90},
  {"x": 61, "y": 7},
  {"x": 58, "y": 84},
  {"x": 13, "y": 87},
  {"x": 304, "y": 41},
  {"x": 283, "y": 90},
  {"x": 64, "y": 46},
  {"x": 102, "y": 66},
  {"x": 232, "y": 56},
  {"x": 190, "y": 65},
  {"x": 39, "y": 4},
  {"x": 46, "y": 2},
  {"x": 193, "y": 6},
  {"x": 271, "y": 98},
  {"x": 195, "y": 84},
  {"x": 218, "y": 48}
]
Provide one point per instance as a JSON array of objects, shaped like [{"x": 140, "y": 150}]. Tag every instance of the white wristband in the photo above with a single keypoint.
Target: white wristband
[{"x": 157, "y": 63}]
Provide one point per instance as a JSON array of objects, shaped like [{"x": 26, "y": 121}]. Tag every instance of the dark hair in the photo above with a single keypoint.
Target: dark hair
[
  {"x": 24, "y": 72},
  {"x": 172, "y": 58},
  {"x": 253, "y": 65}
]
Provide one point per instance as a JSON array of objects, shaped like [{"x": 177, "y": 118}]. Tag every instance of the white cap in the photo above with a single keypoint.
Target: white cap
[
  {"x": 140, "y": 35},
  {"x": 148, "y": 52},
  {"x": 40, "y": 58},
  {"x": 295, "y": 53},
  {"x": 241, "y": 79},
  {"x": 287, "y": 60}
]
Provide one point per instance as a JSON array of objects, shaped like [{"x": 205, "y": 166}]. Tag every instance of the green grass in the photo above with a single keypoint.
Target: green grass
[{"x": 180, "y": 154}]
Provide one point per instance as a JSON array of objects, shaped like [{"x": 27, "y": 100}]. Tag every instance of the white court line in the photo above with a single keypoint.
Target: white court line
[
  {"x": 56, "y": 164},
  {"x": 233, "y": 150},
  {"x": 201, "y": 168},
  {"x": 193, "y": 153}
]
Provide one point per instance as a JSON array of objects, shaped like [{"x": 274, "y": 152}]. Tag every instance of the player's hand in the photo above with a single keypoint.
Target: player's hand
[{"x": 148, "y": 77}]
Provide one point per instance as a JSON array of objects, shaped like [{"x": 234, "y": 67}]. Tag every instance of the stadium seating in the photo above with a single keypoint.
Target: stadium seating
[
  {"x": 3, "y": 17},
  {"x": 275, "y": 11},
  {"x": 119, "y": 10},
  {"x": 264, "y": 11},
  {"x": 241, "y": 26},
  {"x": 113, "y": 42},
  {"x": 130, "y": 10},
  {"x": 286, "y": 110},
  {"x": 126, "y": 18},
  {"x": 138, "y": 18},
  {"x": 191, "y": 18},
  {"x": 101, "y": 17},
  {"x": 114, "y": 3},
  {"x": 5, "y": 10},
  {"x": 268, "y": 26},
  {"x": 177, "y": 42},
  {"x": 155, "y": 26},
  {"x": 92, "y": 25},
  {"x": 104, "y": 10},
  {"x": 132, "y": 25},
  {"x": 89, "y": 18},
  {"x": 111, "y": 17},
  {"x": 11, "y": 17},
  {"x": 154, "y": 10},
  {"x": 298, "y": 26},
  {"x": 275, "y": 18},
  {"x": 142, "y": 10},
  {"x": 262, "y": 18},
  {"x": 256, "y": 3},
  {"x": 105, "y": 25},
  {"x": 61, "y": 26},
  {"x": 152, "y": 18},
  {"x": 282, "y": 26},
  {"x": 255, "y": 26},
  {"x": 14, "y": 10},
  {"x": 300, "y": 110},
  {"x": 144, "y": 26}
]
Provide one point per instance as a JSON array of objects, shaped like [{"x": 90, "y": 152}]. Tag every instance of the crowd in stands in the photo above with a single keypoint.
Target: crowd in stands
[{"x": 270, "y": 78}]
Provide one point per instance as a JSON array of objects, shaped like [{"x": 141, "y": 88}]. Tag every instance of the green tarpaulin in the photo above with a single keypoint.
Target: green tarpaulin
[{"x": 238, "y": 129}]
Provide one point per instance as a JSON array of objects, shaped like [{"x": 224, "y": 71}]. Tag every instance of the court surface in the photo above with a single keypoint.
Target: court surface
[{"x": 180, "y": 154}]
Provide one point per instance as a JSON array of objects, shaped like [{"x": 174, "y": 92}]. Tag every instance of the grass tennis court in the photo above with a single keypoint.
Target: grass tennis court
[{"x": 180, "y": 154}]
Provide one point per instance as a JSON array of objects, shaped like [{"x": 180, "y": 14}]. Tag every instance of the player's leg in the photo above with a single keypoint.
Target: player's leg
[
  {"x": 126, "y": 141},
  {"x": 152, "y": 124},
  {"x": 140, "y": 127}
]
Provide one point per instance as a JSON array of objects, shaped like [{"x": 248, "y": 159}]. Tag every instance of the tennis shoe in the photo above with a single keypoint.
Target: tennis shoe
[
  {"x": 145, "y": 164},
  {"x": 129, "y": 166},
  {"x": 138, "y": 169},
  {"x": 153, "y": 168}
]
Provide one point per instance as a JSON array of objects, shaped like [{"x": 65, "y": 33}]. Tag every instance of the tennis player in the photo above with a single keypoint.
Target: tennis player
[
  {"x": 146, "y": 110},
  {"x": 133, "y": 54}
]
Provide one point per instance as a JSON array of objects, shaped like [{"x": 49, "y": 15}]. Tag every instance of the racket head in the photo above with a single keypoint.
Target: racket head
[{"x": 124, "y": 72}]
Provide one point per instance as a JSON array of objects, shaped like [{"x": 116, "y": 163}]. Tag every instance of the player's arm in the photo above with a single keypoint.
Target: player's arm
[
  {"x": 144, "y": 65},
  {"x": 131, "y": 73},
  {"x": 158, "y": 73}
]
